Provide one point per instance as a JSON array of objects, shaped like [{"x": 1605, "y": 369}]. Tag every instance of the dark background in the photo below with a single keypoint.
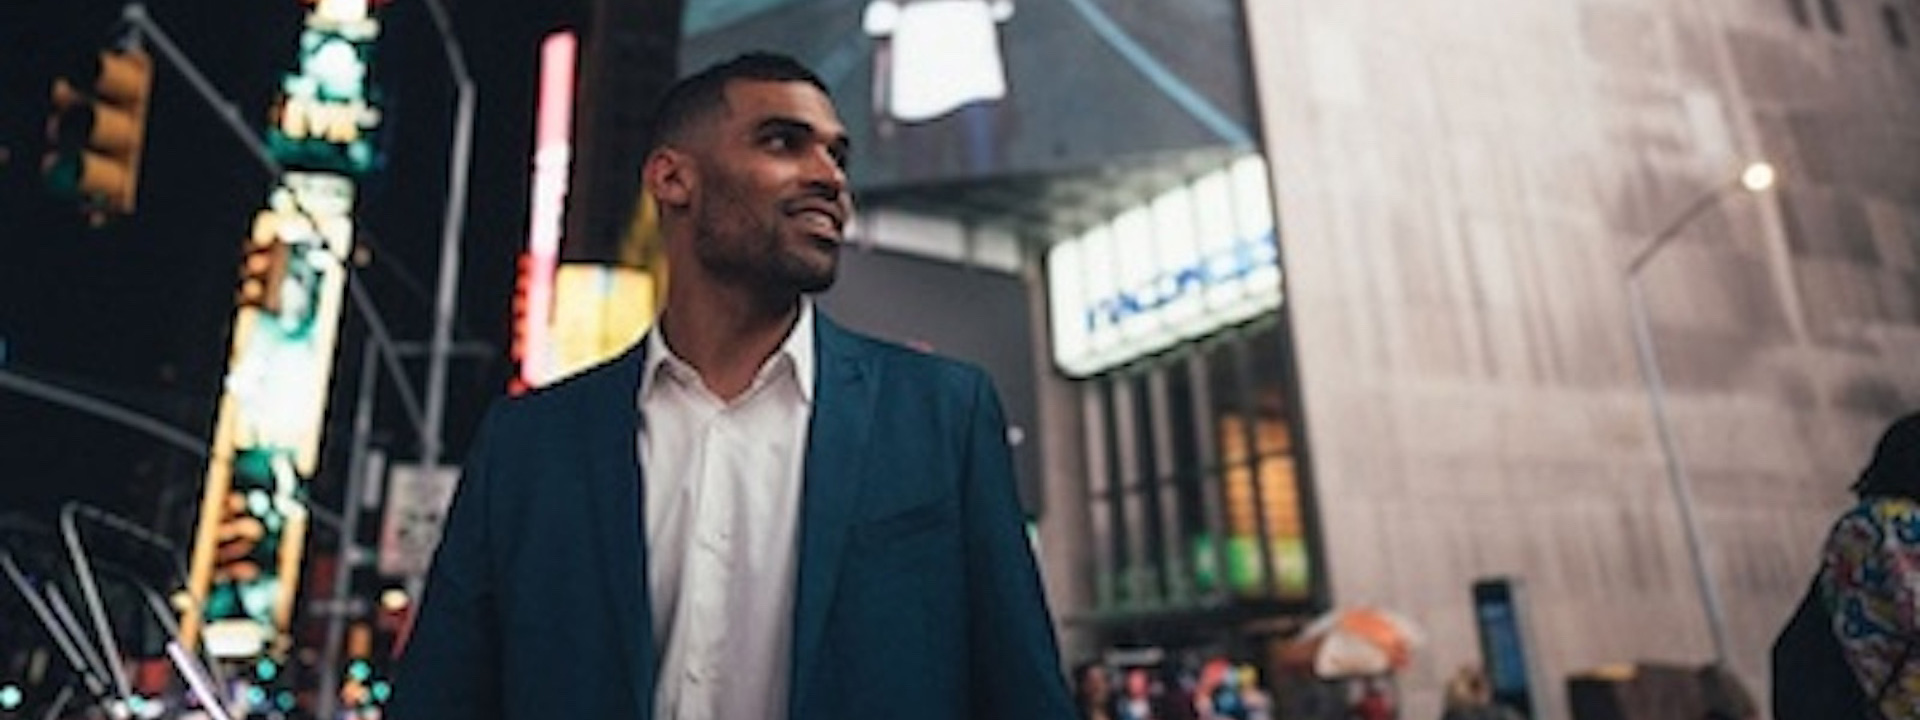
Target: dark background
[
  {"x": 973, "y": 314},
  {"x": 138, "y": 312}
]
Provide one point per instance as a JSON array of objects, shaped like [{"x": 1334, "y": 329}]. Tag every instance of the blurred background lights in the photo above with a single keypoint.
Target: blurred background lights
[
  {"x": 11, "y": 697},
  {"x": 393, "y": 600}
]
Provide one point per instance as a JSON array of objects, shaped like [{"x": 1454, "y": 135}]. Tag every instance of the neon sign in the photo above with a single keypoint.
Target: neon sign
[
  {"x": 266, "y": 444},
  {"x": 1192, "y": 260}
]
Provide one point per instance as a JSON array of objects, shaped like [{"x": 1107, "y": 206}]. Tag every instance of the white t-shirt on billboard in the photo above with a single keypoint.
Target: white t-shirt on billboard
[{"x": 946, "y": 53}]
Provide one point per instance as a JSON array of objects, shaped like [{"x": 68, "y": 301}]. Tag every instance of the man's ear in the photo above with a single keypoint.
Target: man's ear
[{"x": 668, "y": 174}]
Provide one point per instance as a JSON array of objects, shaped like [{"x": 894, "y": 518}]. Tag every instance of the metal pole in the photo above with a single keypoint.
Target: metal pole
[
  {"x": 382, "y": 339},
  {"x": 1672, "y": 230},
  {"x": 348, "y": 531},
  {"x": 135, "y": 14},
  {"x": 1676, "y": 474},
  {"x": 90, "y": 592},
  {"x": 448, "y": 289},
  {"x": 52, "y": 624},
  {"x": 179, "y": 439}
]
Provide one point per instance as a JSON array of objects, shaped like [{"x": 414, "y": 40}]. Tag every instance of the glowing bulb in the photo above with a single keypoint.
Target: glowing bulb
[
  {"x": 393, "y": 599},
  {"x": 1757, "y": 177},
  {"x": 11, "y": 697}
]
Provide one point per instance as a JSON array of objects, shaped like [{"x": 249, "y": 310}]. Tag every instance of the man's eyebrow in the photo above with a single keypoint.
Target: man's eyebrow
[{"x": 839, "y": 143}]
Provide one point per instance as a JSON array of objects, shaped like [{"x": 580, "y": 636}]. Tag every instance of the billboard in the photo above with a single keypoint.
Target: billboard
[
  {"x": 1196, "y": 258},
  {"x": 947, "y": 90}
]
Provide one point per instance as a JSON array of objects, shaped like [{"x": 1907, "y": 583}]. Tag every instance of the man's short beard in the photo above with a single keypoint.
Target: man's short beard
[
  {"x": 806, "y": 279},
  {"x": 779, "y": 271}
]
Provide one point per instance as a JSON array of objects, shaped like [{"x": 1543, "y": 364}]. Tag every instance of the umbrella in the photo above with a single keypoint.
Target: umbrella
[{"x": 1354, "y": 642}]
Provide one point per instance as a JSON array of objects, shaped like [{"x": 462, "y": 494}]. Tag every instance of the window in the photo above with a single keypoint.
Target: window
[
  {"x": 1801, "y": 16},
  {"x": 1266, "y": 544},
  {"x": 1107, "y": 535},
  {"x": 1194, "y": 489},
  {"x": 1830, "y": 10}
]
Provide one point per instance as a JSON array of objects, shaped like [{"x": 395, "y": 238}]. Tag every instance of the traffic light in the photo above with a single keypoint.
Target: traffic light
[
  {"x": 96, "y": 130},
  {"x": 262, "y": 271}
]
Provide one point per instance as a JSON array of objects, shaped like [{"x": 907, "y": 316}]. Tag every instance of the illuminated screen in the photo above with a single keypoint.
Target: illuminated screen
[
  {"x": 935, "y": 90},
  {"x": 1191, "y": 261}
]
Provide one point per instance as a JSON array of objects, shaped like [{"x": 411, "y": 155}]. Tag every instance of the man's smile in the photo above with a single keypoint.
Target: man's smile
[{"x": 821, "y": 218}]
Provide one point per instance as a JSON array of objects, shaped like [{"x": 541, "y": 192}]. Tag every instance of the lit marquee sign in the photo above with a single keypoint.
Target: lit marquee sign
[
  {"x": 266, "y": 444},
  {"x": 1195, "y": 259},
  {"x": 324, "y": 117}
]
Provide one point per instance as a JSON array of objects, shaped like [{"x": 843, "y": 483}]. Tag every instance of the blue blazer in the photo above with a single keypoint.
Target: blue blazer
[{"x": 917, "y": 594}]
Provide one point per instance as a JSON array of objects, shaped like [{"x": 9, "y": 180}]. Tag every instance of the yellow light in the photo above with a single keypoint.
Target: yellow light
[
  {"x": 394, "y": 599},
  {"x": 1757, "y": 177}
]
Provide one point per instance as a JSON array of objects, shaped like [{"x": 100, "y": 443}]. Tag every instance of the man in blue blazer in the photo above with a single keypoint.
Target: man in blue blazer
[{"x": 753, "y": 514}]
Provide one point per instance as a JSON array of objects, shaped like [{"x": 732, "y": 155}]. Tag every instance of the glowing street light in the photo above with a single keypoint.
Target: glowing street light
[{"x": 1756, "y": 177}]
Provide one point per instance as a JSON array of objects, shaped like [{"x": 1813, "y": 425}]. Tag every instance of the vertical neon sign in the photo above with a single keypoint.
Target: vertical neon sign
[
  {"x": 253, "y": 516},
  {"x": 533, "y": 345}
]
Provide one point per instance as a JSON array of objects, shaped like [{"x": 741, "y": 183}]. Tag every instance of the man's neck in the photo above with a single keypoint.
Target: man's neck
[{"x": 726, "y": 338}]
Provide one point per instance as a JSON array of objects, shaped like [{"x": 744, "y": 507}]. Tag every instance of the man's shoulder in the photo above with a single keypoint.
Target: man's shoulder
[
  {"x": 608, "y": 381},
  {"x": 908, "y": 361}
]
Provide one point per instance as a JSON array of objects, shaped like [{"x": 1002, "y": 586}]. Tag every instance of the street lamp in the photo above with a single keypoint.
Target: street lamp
[{"x": 1754, "y": 178}]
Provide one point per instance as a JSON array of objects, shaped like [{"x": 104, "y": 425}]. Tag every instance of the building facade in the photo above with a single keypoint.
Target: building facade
[{"x": 1459, "y": 191}]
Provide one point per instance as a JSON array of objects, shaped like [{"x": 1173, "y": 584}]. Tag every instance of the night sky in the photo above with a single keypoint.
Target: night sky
[{"x": 138, "y": 312}]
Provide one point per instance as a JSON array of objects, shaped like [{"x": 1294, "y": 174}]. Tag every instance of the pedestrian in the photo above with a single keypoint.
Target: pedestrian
[
  {"x": 1373, "y": 703},
  {"x": 1870, "y": 574},
  {"x": 1093, "y": 691},
  {"x": 1470, "y": 697},
  {"x": 753, "y": 513}
]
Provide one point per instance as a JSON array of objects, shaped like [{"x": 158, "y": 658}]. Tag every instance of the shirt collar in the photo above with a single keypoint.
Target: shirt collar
[{"x": 798, "y": 347}]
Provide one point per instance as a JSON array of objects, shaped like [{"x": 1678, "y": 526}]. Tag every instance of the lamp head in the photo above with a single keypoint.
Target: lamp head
[{"x": 1757, "y": 177}]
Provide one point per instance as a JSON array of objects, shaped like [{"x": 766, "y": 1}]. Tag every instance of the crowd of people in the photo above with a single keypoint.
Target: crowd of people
[
  {"x": 1216, "y": 689},
  {"x": 1220, "y": 689}
]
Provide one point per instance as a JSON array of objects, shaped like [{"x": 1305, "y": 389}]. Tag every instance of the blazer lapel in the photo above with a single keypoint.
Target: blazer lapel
[
  {"x": 836, "y": 443},
  {"x": 610, "y": 424}
]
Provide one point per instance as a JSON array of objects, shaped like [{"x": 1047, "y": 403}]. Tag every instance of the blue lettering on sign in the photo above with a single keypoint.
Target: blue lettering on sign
[{"x": 1235, "y": 262}]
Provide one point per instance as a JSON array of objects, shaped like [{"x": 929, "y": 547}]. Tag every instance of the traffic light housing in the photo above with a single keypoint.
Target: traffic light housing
[
  {"x": 96, "y": 131},
  {"x": 262, "y": 270}
]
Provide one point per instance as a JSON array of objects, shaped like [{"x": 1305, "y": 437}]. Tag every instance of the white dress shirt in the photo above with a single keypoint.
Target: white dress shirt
[{"x": 722, "y": 510}]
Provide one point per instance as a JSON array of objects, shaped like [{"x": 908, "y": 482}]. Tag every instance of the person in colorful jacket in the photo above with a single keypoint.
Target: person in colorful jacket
[{"x": 1870, "y": 574}]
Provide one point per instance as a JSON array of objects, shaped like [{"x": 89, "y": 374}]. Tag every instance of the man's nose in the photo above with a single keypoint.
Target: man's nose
[{"x": 824, "y": 172}]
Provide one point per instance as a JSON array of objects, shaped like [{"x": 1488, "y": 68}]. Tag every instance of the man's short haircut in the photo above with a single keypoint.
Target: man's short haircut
[{"x": 696, "y": 98}]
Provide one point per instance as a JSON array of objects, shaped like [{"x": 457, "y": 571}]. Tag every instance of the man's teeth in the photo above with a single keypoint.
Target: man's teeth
[{"x": 819, "y": 220}]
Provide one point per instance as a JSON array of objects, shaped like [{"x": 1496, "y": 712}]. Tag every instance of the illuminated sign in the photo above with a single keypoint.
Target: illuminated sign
[
  {"x": 266, "y": 444},
  {"x": 333, "y": 122},
  {"x": 599, "y": 311},
  {"x": 324, "y": 117},
  {"x": 1195, "y": 259},
  {"x": 533, "y": 346}
]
